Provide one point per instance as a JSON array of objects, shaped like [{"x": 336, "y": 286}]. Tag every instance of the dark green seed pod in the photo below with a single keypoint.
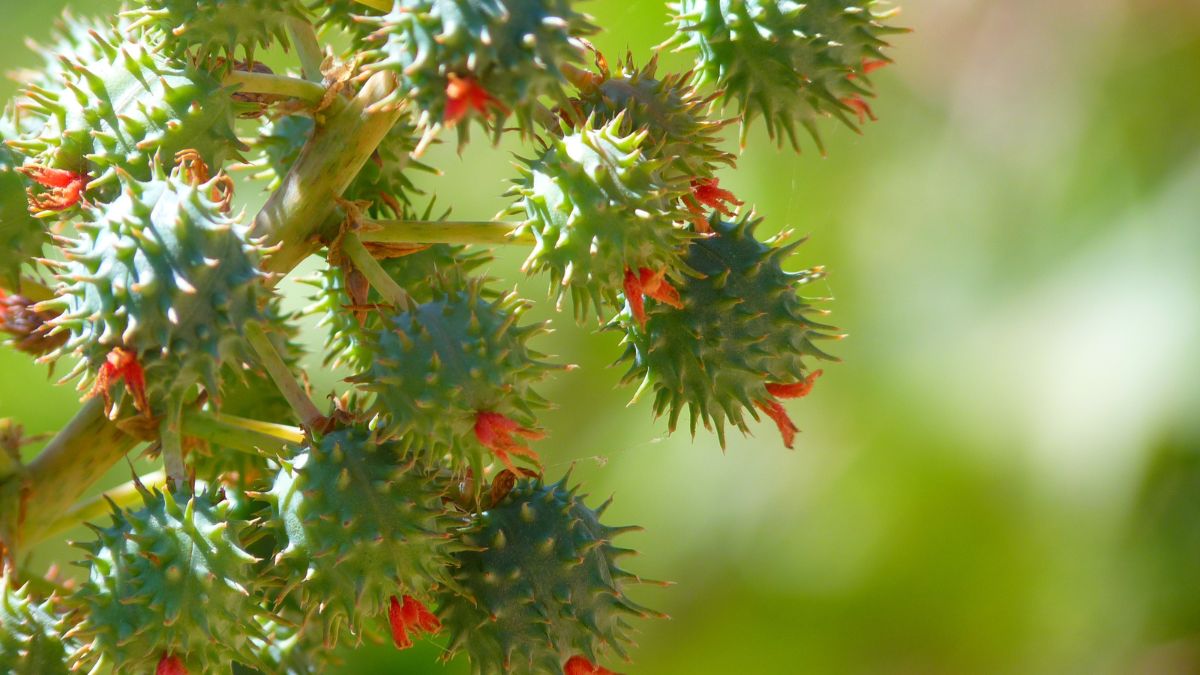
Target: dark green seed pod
[
  {"x": 672, "y": 112},
  {"x": 440, "y": 363},
  {"x": 21, "y": 235},
  {"x": 512, "y": 50},
  {"x": 349, "y": 331},
  {"x": 598, "y": 207},
  {"x": 383, "y": 183},
  {"x": 30, "y": 634},
  {"x": 357, "y": 522},
  {"x": 119, "y": 103},
  {"x": 742, "y": 326},
  {"x": 208, "y": 27},
  {"x": 538, "y": 584},
  {"x": 791, "y": 63},
  {"x": 168, "y": 578},
  {"x": 165, "y": 273}
]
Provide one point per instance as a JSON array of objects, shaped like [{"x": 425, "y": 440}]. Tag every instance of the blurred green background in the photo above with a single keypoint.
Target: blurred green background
[{"x": 1004, "y": 475}]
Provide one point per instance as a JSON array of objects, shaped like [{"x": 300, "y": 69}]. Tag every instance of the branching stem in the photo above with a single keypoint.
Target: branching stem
[
  {"x": 378, "y": 277},
  {"x": 442, "y": 232},
  {"x": 291, "y": 389},
  {"x": 381, "y": 5},
  {"x": 308, "y": 49},
  {"x": 276, "y": 85},
  {"x": 126, "y": 495}
]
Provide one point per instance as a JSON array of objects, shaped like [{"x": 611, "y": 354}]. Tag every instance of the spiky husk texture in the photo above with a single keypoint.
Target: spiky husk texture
[
  {"x": 348, "y": 332},
  {"x": 119, "y": 103},
  {"x": 168, "y": 578},
  {"x": 438, "y": 364},
  {"x": 597, "y": 207},
  {"x": 165, "y": 273},
  {"x": 30, "y": 634},
  {"x": 791, "y": 63},
  {"x": 514, "y": 49},
  {"x": 538, "y": 584},
  {"x": 671, "y": 110},
  {"x": 209, "y": 27},
  {"x": 742, "y": 326},
  {"x": 383, "y": 184},
  {"x": 357, "y": 522},
  {"x": 21, "y": 235}
]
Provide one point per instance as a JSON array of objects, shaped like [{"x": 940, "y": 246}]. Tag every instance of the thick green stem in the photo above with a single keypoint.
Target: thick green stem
[
  {"x": 378, "y": 277},
  {"x": 332, "y": 158},
  {"x": 442, "y": 232},
  {"x": 381, "y": 5},
  {"x": 277, "y": 368},
  {"x": 170, "y": 436},
  {"x": 74, "y": 459},
  {"x": 84, "y": 451},
  {"x": 308, "y": 49},
  {"x": 276, "y": 85},
  {"x": 94, "y": 508}
]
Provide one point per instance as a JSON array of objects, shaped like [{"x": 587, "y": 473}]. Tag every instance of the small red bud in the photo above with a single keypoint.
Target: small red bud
[
  {"x": 495, "y": 432},
  {"x": 122, "y": 364},
  {"x": 410, "y": 615},
  {"x": 649, "y": 284},
  {"x": 708, "y": 192},
  {"x": 796, "y": 389},
  {"x": 577, "y": 665},
  {"x": 65, "y": 187},
  {"x": 465, "y": 94},
  {"x": 170, "y": 664},
  {"x": 861, "y": 108}
]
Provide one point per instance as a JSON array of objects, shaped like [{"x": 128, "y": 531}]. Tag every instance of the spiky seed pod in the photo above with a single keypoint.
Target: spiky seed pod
[
  {"x": 504, "y": 53},
  {"x": 21, "y": 235},
  {"x": 30, "y": 634},
  {"x": 383, "y": 183},
  {"x": 742, "y": 325},
  {"x": 349, "y": 327},
  {"x": 168, "y": 578},
  {"x": 537, "y": 584},
  {"x": 599, "y": 207},
  {"x": 119, "y": 103},
  {"x": 357, "y": 522},
  {"x": 671, "y": 110},
  {"x": 343, "y": 14},
  {"x": 293, "y": 649},
  {"x": 791, "y": 63},
  {"x": 163, "y": 272},
  {"x": 208, "y": 27},
  {"x": 438, "y": 365}
]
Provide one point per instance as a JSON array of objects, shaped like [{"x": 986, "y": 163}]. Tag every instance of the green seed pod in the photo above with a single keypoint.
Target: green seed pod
[
  {"x": 537, "y": 584},
  {"x": 30, "y": 634},
  {"x": 741, "y": 326},
  {"x": 672, "y": 112},
  {"x": 165, "y": 273},
  {"x": 168, "y": 578},
  {"x": 505, "y": 53},
  {"x": 348, "y": 331},
  {"x": 118, "y": 103},
  {"x": 791, "y": 63},
  {"x": 21, "y": 235},
  {"x": 383, "y": 183},
  {"x": 599, "y": 207},
  {"x": 438, "y": 365},
  {"x": 356, "y": 522},
  {"x": 206, "y": 27}
]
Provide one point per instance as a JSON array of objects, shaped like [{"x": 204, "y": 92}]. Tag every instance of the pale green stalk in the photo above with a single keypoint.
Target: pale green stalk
[{"x": 442, "y": 232}]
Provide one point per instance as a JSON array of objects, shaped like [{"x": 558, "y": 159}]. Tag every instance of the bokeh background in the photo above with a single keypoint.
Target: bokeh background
[{"x": 1004, "y": 475}]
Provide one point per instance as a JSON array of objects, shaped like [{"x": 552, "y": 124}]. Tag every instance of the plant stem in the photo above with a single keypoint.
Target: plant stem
[
  {"x": 241, "y": 433},
  {"x": 335, "y": 154},
  {"x": 170, "y": 436},
  {"x": 366, "y": 263},
  {"x": 442, "y": 232},
  {"x": 74, "y": 459},
  {"x": 124, "y": 496},
  {"x": 277, "y": 85},
  {"x": 381, "y": 5},
  {"x": 89, "y": 445},
  {"x": 305, "y": 409},
  {"x": 308, "y": 49}
]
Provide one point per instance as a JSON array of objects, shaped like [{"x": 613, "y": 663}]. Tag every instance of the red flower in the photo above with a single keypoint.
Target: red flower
[
  {"x": 65, "y": 187},
  {"x": 410, "y": 616},
  {"x": 170, "y": 664},
  {"x": 464, "y": 94},
  {"x": 122, "y": 364},
  {"x": 708, "y": 192},
  {"x": 776, "y": 411},
  {"x": 495, "y": 432},
  {"x": 648, "y": 283},
  {"x": 860, "y": 108},
  {"x": 577, "y": 665}
]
